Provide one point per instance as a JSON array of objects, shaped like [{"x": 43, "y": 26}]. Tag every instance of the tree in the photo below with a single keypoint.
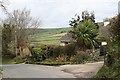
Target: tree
[
  {"x": 22, "y": 22},
  {"x": 85, "y": 31},
  {"x": 86, "y": 15},
  {"x": 86, "y": 34},
  {"x": 115, "y": 30},
  {"x": 6, "y": 38},
  {"x": 3, "y": 5}
]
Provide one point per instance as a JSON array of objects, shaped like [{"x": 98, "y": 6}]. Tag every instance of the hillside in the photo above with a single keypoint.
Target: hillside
[{"x": 48, "y": 36}]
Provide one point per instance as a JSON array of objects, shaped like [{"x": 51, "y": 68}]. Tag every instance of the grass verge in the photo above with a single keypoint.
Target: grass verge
[
  {"x": 109, "y": 72},
  {"x": 7, "y": 60}
]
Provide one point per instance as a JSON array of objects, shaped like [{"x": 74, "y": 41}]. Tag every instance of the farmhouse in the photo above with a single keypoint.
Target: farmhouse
[
  {"x": 103, "y": 30},
  {"x": 66, "y": 39}
]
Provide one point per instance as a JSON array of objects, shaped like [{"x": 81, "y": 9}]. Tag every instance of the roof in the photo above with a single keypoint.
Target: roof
[
  {"x": 67, "y": 38},
  {"x": 100, "y": 24},
  {"x": 104, "y": 31}
]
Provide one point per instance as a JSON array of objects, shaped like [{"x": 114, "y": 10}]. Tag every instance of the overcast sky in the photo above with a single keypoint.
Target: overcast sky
[{"x": 57, "y": 13}]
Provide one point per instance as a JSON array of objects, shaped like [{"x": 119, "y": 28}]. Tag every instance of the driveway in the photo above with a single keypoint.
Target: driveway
[
  {"x": 83, "y": 70},
  {"x": 40, "y": 71}
]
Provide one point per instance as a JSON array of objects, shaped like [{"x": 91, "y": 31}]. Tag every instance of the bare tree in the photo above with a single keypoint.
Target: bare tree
[
  {"x": 3, "y": 5},
  {"x": 22, "y": 22}
]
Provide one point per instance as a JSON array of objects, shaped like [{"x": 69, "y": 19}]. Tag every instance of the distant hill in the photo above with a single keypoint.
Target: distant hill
[{"x": 47, "y": 36}]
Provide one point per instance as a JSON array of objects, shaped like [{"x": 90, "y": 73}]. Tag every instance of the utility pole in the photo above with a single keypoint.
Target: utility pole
[
  {"x": 118, "y": 7},
  {"x": 15, "y": 43}
]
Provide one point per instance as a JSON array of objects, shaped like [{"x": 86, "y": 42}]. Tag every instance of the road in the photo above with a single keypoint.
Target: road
[
  {"x": 40, "y": 71},
  {"x": 83, "y": 70}
]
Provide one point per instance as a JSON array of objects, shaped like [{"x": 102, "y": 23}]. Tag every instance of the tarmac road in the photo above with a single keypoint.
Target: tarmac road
[{"x": 39, "y": 71}]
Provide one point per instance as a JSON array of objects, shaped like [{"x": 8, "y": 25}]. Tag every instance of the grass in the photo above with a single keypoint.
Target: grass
[
  {"x": 103, "y": 72},
  {"x": 7, "y": 60},
  {"x": 112, "y": 67},
  {"x": 12, "y": 60},
  {"x": 109, "y": 72},
  {"x": 51, "y": 62},
  {"x": 52, "y": 42},
  {"x": 1, "y": 69},
  {"x": 54, "y": 63},
  {"x": 48, "y": 36}
]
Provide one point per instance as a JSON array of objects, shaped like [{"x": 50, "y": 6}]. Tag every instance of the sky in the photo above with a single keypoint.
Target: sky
[{"x": 58, "y": 13}]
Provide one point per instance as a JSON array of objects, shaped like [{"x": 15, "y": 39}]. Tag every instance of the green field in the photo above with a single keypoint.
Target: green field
[
  {"x": 48, "y": 36},
  {"x": 40, "y": 37}
]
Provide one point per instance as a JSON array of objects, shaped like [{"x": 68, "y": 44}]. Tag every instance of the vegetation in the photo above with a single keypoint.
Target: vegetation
[
  {"x": 51, "y": 62},
  {"x": 112, "y": 68},
  {"x": 59, "y": 55},
  {"x": 18, "y": 39},
  {"x": 109, "y": 72},
  {"x": 86, "y": 34},
  {"x": 115, "y": 31},
  {"x": 1, "y": 70},
  {"x": 85, "y": 31},
  {"x": 19, "y": 21},
  {"x": 18, "y": 60},
  {"x": 8, "y": 59},
  {"x": 46, "y": 51},
  {"x": 47, "y": 36},
  {"x": 6, "y": 38},
  {"x": 3, "y": 5}
]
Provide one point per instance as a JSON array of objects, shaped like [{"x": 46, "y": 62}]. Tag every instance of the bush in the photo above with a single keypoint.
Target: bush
[
  {"x": 57, "y": 51},
  {"x": 104, "y": 72},
  {"x": 69, "y": 50},
  {"x": 18, "y": 60},
  {"x": 54, "y": 63},
  {"x": 116, "y": 67},
  {"x": 110, "y": 60},
  {"x": 62, "y": 58},
  {"x": 81, "y": 57},
  {"x": 110, "y": 72},
  {"x": 37, "y": 55}
]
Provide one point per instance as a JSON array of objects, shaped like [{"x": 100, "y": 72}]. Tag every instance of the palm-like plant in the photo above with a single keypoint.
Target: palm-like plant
[{"x": 86, "y": 33}]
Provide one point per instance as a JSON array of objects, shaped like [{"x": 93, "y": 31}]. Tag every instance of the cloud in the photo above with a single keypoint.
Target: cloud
[{"x": 57, "y": 13}]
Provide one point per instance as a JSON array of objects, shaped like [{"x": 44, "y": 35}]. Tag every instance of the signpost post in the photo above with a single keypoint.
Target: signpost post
[{"x": 104, "y": 46}]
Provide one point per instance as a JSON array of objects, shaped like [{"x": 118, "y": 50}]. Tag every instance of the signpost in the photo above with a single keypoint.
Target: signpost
[
  {"x": 104, "y": 50},
  {"x": 104, "y": 43}
]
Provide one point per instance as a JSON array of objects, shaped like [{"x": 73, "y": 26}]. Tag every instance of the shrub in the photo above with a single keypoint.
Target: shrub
[
  {"x": 69, "y": 50},
  {"x": 110, "y": 60},
  {"x": 117, "y": 67},
  {"x": 1, "y": 69},
  {"x": 18, "y": 60},
  {"x": 104, "y": 72},
  {"x": 54, "y": 63},
  {"x": 81, "y": 57},
  {"x": 52, "y": 51},
  {"x": 62, "y": 58},
  {"x": 55, "y": 51},
  {"x": 110, "y": 71},
  {"x": 38, "y": 54}
]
